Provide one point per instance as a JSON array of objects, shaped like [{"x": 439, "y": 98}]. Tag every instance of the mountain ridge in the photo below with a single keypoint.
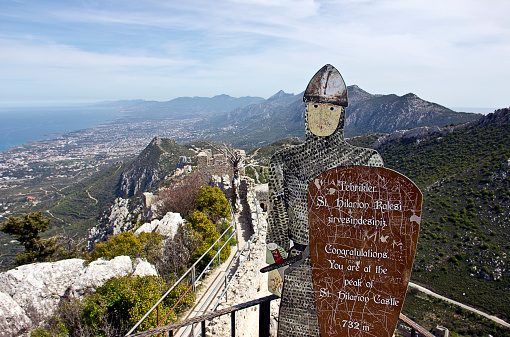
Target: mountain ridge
[{"x": 282, "y": 116}]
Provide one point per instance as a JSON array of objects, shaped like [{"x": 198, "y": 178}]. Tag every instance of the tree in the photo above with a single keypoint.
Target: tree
[
  {"x": 181, "y": 197},
  {"x": 26, "y": 230}
]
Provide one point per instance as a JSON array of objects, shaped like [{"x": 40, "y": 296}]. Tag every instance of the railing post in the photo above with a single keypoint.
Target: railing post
[
  {"x": 233, "y": 323},
  {"x": 193, "y": 279},
  {"x": 203, "y": 329},
  {"x": 264, "y": 314},
  {"x": 219, "y": 254},
  {"x": 249, "y": 250},
  {"x": 226, "y": 292},
  {"x": 237, "y": 233},
  {"x": 157, "y": 315}
]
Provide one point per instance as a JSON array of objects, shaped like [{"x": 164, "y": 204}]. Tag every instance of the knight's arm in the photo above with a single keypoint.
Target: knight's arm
[
  {"x": 278, "y": 220},
  {"x": 375, "y": 160}
]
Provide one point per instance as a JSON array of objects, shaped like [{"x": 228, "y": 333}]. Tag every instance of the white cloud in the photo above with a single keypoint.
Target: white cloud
[{"x": 257, "y": 47}]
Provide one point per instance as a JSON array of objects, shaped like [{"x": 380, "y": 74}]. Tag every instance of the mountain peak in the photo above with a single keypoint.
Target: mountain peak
[
  {"x": 280, "y": 94},
  {"x": 410, "y": 96}
]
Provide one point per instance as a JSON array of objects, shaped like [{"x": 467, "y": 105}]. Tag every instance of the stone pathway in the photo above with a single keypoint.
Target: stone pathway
[{"x": 248, "y": 284}]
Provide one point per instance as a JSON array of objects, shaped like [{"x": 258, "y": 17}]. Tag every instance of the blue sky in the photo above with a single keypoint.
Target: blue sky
[{"x": 452, "y": 52}]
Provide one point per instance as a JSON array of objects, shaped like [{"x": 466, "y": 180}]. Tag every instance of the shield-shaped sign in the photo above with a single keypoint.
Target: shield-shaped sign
[{"x": 364, "y": 224}]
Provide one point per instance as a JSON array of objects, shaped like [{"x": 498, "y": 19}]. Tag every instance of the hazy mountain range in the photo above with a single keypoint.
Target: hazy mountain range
[{"x": 248, "y": 122}]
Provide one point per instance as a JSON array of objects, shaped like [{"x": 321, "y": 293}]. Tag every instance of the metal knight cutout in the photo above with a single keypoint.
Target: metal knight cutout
[{"x": 291, "y": 248}]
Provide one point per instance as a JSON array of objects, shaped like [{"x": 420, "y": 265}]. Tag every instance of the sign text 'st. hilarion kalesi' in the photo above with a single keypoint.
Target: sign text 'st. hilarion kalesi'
[{"x": 364, "y": 224}]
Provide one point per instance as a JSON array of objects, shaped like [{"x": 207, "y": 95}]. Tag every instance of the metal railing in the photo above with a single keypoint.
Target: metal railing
[
  {"x": 264, "y": 320},
  {"x": 193, "y": 270},
  {"x": 229, "y": 276}
]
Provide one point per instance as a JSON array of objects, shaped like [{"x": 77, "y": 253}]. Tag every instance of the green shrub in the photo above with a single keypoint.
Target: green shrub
[
  {"x": 57, "y": 330},
  {"x": 213, "y": 202},
  {"x": 129, "y": 244},
  {"x": 202, "y": 225},
  {"x": 122, "y": 301}
]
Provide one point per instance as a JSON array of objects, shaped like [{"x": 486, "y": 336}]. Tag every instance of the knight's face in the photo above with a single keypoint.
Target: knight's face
[{"x": 323, "y": 118}]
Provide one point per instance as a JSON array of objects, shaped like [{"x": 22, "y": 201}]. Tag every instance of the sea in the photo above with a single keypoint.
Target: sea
[{"x": 20, "y": 125}]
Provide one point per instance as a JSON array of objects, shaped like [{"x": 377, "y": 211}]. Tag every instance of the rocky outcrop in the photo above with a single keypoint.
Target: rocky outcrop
[
  {"x": 30, "y": 293},
  {"x": 118, "y": 219},
  {"x": 161, "y": 157},
  {"x": 416, "y": 133},
  {"x": 167, "y": 226},
  {"x": 498, "y": 117},
  {"x": 123, "y": 217},
  {"x": 13, "y": 319}
]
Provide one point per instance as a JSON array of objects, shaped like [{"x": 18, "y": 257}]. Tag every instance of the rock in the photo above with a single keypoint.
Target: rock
[
  {"x": 150, "y": 205},
  {"x": 183, "y": 162},
  {"x": 38, "y": 288},
  {"x": 167, "y": 226},
  {"x": 118, "y": 219},
  {"x": 13, "y": 319},
  {"x": 144, "y": 268}
]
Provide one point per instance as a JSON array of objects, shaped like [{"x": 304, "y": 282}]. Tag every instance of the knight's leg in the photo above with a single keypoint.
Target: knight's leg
[{"x": 298, "y": 314}]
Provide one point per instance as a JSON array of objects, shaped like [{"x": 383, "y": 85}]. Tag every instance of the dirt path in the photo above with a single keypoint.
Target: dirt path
[
  {"x": 431, "y": 293},
  {"x": 248, "y": 284},
  {"x": 212, "y": 285}
]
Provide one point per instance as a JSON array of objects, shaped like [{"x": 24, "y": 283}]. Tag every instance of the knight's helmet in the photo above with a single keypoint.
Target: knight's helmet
[{"x": 327, "y": 86}]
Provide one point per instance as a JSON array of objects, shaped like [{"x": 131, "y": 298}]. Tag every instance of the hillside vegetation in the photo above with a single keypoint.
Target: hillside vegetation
[{"x": 464, "y": 245}]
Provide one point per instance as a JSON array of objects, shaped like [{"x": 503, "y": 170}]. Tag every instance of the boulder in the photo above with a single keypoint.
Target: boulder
[
  {"x": 13, "y": 320},
  {"x": 37, "y": 289},
  {"x": 167, "y": 226}
]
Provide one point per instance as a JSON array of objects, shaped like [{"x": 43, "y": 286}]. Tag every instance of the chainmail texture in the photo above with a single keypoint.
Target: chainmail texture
[{"x": 290, "y": 172}]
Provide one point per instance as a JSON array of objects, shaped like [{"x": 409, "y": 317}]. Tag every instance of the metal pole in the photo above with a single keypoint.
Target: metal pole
[
  {"x": 233, "y": 323},
  {"x": 226, "y": 285},
  {"x": 264, "y": 312},
  {"x": 249, "y": 250},
  {"x": 193, "y": 278},
  {"x": 203, "y": 329},
  {"x": 219, "y": 255},
  {"x": 157, "y": 315}
]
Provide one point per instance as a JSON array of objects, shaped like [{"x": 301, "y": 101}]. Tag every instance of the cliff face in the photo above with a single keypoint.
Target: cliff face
[
  {"x": 159, "y": 159},
  {"x": 118, "y": 219}
]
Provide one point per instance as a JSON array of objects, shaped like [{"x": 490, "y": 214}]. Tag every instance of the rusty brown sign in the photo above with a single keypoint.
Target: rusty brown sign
[{"x": 364, "y": 224}]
